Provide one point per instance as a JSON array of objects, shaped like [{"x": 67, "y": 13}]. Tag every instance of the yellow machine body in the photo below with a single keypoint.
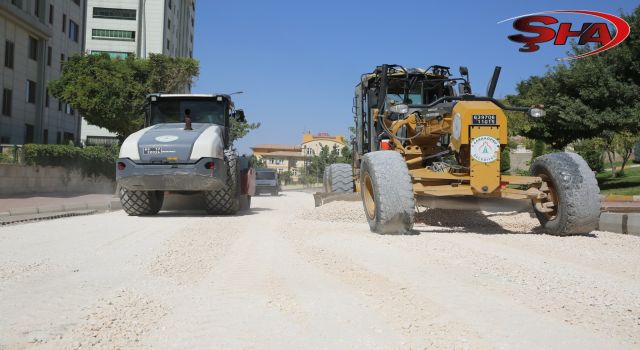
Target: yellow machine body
[{"x": 478, "y": 134}]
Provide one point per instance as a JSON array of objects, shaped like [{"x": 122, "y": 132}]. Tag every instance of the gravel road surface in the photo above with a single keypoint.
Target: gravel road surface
[{"x": 289, "y": 276}]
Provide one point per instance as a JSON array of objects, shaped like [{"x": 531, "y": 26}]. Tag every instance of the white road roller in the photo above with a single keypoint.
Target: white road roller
[{"x": 184, "y": 148}]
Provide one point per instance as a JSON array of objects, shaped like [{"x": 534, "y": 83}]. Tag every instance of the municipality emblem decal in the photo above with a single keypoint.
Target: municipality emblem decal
[
  {"x": 484, "y": 149},
  {"x": 166, "y": 138}
]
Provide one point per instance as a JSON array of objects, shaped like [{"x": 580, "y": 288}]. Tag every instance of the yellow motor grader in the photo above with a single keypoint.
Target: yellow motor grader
[{"x": 423, "y": 138}]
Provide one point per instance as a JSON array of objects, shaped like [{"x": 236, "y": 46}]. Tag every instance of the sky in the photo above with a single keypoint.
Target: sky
[{"x": 298, "y": 62}]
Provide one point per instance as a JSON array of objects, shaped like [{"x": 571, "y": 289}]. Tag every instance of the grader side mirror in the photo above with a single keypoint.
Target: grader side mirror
[{"x": 464, "y": 71}]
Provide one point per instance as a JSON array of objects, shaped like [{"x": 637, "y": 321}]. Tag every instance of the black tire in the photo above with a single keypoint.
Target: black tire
[
  {"x": 577, "y": 209},
  {"x": 387, "y": 192},
  {"x": 226, "y": 201},
  {"x": 136, "y": 203},
  {"x": 339, "y": 178}
]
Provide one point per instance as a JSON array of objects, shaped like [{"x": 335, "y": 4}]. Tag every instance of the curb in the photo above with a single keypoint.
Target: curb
[
  {"x": 8, "y": 220},
  {"x": 112, "y": 205},
  {"x": 627, "y": 224},
  {"x": 619, "y": 198}
]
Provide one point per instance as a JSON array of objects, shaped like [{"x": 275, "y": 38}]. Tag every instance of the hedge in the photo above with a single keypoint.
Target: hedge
[
  {"x": 90, "y": 160},
  {"x": 505, "y": 160}
]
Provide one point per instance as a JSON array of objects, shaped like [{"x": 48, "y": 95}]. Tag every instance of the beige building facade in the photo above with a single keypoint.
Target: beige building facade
[
  {"x": 36, "y": 38},
  {"x": 293, "y": 158}
]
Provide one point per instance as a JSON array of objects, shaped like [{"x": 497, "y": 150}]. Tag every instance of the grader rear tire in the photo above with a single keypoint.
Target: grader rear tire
[
  {"x": 339, "y": 178},
  {"x": 387, "y": 192},
  {"x": 573, "y": 194}
]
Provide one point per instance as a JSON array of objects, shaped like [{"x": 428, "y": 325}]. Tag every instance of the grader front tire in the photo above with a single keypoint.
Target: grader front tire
[
  {"x": 573, "y": 203},
  {"x": 387, "y": 193}
]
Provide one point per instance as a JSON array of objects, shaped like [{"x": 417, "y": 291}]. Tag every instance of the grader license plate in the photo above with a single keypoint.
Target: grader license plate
[{"x": 483, "y": 119}]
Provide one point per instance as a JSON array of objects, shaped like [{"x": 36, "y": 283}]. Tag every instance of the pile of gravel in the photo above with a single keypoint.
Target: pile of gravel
[{"x": 337, "y": 212}]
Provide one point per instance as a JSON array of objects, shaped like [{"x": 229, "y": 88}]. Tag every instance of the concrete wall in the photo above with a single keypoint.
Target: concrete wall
[
  {"x": 519, "y": 161},
  {"x": 19, "y": 179}
]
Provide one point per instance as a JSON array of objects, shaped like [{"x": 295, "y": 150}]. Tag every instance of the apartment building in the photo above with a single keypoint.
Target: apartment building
[
  {"x": 36, "y": 38},
  {"x": 121, "y": 28}
]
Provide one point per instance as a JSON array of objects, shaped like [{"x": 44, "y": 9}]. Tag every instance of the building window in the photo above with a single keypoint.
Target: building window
[
  {"x": 31, "y": 91},
  {"x": 169, "y": 24},
  {"x": 59, "y": 106},
  {"x": 108, "y": 34},
  {"x": 112, "y": 54},
  {"x": 68, "y": 137},
  {"x": 46, "y": 98},
  {"x": 168, "y": 44},
  {"x": 17, "y": 3},
  {"x": 68, "y": 109},
  {"x": 5, "y": 140},
  {"x": 169, "y": 4},
  {"x": 50, "y": 14},
  {"x": 77, "y": 2},
  {"x": 8, "y": 54},
  {"x": 7, "y": 98},
  {"x": 49, "y": 55},
  {"x": 58, "y": 137},
  {"x": 28, "y": 133},
  {"x": 61, "y": 61},
  {"x": 64, "y": 23},
  {"x": 45, "y": 136},
  {"x": 103, "y": 12},
  {"x": 73, "y": 30},
  {"x": 36, "y": 8},
  {"x": 33, "y": 48}
]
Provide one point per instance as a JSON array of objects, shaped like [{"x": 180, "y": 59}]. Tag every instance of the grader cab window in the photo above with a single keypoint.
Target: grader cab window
[{"x": 422, "y": 90}]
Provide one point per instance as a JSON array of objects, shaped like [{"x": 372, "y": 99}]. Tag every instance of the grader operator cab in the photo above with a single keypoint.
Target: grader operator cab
[{"x": 423, "y": 137}]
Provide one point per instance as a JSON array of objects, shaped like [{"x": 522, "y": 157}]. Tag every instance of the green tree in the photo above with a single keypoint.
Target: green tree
[
  {"x": 111, "y": 93},
  {"x": 258, "y": 162},
  {"x": 108, "y": 92},
  {"x": 285, "y": 177},
  {"x": 240, "y": 129},
  {"x": 592, "y": 150},
  {"x": 587, "y": 96},
  {"x": 624, "y": 143}
]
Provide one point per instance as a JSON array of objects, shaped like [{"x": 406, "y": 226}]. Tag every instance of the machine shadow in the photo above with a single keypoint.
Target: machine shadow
[
  {"x": 467, "y": 221},
  {"x": 202, "y": 213}
]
